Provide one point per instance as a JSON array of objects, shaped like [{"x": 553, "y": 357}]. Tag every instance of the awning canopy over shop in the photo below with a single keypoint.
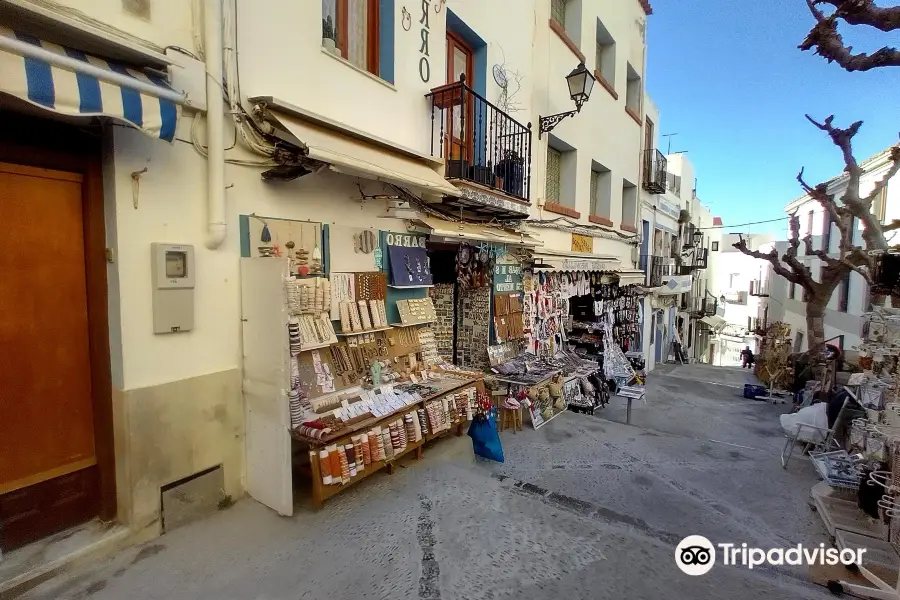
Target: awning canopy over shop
[
  {"x": 68, "y": 81},
  {"x": 560, "y": 260},
  {"x": 631, "y": 277},
  {"x": 715, "y": 323},
  {"x": 447, "y": 231},
  {"x": 352, "y": 155}
]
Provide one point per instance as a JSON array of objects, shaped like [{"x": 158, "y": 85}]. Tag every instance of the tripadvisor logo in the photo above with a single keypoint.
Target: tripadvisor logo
[{"x": 696, "y": 555}]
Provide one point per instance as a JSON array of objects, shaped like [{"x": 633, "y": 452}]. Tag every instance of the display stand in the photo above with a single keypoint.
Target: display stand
[
  {"x": 265, "y": 316},
  {"x": 322, "y": 492}
]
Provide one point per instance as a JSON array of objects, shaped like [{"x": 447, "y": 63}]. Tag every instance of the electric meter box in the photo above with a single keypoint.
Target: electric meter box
[{"x": 172, "y": 269}]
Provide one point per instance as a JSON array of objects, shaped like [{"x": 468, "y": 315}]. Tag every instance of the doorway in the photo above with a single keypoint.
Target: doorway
[
  {"x": 57, "y": 465},
  {"x": 460, "y": 61}
]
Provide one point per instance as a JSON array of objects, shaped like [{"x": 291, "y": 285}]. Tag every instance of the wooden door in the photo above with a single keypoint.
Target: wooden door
[
  {"x": 48, "y": 473},
  {"x": 460, "y": 61}
]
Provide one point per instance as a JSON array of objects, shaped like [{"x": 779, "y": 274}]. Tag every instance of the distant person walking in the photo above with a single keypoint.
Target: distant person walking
[{"x": 747, "y": 358}]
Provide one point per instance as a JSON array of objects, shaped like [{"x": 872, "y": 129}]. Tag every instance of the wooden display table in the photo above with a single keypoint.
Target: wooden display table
[{"x": 322, "y": 492}]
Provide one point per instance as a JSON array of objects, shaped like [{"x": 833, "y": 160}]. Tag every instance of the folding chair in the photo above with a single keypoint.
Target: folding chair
[{"x": 827, "y": 444}]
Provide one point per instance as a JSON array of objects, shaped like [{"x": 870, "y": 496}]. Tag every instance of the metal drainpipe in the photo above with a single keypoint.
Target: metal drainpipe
[{"x": 215, "y": 125}]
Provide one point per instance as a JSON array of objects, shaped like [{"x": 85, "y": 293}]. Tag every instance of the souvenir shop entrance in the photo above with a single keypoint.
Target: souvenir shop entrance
[{"x": 477, "y": 295}]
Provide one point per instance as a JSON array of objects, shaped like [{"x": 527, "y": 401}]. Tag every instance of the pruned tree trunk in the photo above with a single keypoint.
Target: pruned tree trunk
[{"x": 815, "y": 321}]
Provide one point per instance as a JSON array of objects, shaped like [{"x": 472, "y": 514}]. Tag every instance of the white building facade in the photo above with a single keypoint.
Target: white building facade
[
  {"x": 335, "y": 117},
  {"x": 738, "y": 290},
  {"x": 675, "y": 241}
]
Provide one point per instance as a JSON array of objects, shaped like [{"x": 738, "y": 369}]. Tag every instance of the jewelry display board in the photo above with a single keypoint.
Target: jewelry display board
[
  {"x": 445, "y": 311},
  {"x": 473, "y": 328}
]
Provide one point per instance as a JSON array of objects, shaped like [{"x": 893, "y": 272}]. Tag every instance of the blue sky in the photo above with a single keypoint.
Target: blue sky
[{"x": 728, "y": 78}]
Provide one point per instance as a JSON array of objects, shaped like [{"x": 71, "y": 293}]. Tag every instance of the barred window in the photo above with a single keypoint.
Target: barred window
[{"x": 554, "y": 160}]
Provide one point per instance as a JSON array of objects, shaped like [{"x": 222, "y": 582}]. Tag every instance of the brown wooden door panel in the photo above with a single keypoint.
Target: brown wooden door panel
[
  {"x": 46, "y": 414},
  {"x": 34, "y": 512}
]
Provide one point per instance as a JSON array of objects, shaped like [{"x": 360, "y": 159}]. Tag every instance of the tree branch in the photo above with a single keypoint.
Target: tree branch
[
  {"x": 865, "y": 12},
  {"x": 894, "y": 226},
  {"x": 842, "y": 138},
  {"x": 821, "y": 254},
  {"x": 859, "y": 260},
  {"x": 838, "y": 214},
  {"x": 829, "y": 44},
  {"x": 771, "y": 256},
  {"x": 790, "y": 256}
]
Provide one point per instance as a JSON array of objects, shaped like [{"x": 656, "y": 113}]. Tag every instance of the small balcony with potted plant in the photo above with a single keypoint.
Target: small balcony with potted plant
[{"x": 487, "y": 153}]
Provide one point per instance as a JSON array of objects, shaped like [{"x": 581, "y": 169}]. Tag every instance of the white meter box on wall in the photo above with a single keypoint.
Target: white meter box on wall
[{"x": 172, "y": 268}]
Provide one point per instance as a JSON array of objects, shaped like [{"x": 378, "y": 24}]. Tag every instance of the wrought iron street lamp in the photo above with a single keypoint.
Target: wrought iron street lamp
[
  {"x": 580, "y": 82},
  {"x": 698, "y": 237}
]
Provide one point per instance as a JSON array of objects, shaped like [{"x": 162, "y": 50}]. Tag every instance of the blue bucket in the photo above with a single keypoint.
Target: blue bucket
[{"x": 752, "y": 391}]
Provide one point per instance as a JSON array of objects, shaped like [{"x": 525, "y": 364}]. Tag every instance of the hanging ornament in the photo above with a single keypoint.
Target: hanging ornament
[{"x": 266, "y": 237}]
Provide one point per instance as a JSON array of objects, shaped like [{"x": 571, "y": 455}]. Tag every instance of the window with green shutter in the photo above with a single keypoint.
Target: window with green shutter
[{"x": 558, "y": 11}]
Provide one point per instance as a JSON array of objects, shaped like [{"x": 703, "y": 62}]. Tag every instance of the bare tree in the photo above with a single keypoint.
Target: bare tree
[{"x": 826, "y": 41}]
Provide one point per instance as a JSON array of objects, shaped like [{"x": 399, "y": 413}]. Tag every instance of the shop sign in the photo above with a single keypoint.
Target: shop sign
[
  {"x": 582, "y": 243},
  {"x": 405, "y": 240},
  {"x": 507, "y": 278},
  {"x": 668, "y": 209},
  {"x": 424, "y": 66},
  {"x": 584, "y": 265},
  {"x": 492, "y": 200}
]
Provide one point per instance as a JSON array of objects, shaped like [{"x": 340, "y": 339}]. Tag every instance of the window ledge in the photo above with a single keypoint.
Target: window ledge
[
  {"x": 606, "y": 84},
  {"x": 559, "y": 209},
  {"x": 598, "y": 220},
  {"x": 633, "y": 115},
  {"x": 628, "y": 227},
  {"x": 346, "y": 62},
  {"x": 558, "y": 30}
]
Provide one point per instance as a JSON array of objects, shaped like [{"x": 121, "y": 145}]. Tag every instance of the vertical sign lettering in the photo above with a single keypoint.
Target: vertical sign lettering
[{"x": 424, "y": 67}]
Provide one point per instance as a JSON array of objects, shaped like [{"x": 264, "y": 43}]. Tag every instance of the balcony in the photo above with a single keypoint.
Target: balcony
[
  {"x": 700, "y": 306},
  {"x": 480, "y": 143},
  {"x": 659, "y": 269},
  {"x": 655, "y": 164},
  {"x": 736, "y": 297},
  {"x": 758, "y": 289},
  {"x": 701, "y": 259}
]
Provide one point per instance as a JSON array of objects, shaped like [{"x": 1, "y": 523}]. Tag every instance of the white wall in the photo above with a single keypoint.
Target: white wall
[
  {"x": 170, "y": 21},
  {"x": 603, "y": 131}
]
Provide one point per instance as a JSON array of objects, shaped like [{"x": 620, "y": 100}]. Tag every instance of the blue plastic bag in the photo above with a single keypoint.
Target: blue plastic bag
[{"x": 485, "y": 439}]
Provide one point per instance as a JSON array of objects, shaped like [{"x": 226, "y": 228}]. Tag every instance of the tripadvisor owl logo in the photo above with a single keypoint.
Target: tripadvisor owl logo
[{"x": 696, "y": 555}]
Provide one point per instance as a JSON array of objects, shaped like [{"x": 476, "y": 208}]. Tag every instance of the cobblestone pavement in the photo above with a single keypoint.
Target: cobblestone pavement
[{"x": 585, "y": 507}]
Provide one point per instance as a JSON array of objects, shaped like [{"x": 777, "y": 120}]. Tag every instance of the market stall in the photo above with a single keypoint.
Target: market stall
[
  {"x": 338, "y": 346},
  {"x": 477, "y": 289}
]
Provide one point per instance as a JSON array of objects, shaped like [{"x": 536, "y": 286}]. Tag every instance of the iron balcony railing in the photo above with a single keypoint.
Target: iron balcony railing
[
  {"x": 479, "y": 142},
  {"x": 758, "y": 288},
  {"x": 699, "y": 306},
  {"x": 654, "y": 171},
  {"x": 659, "y": 269},
  {"x": 701, "y": 258}
]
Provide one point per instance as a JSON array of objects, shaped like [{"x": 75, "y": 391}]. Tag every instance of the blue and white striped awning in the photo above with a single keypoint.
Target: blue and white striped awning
[{"x": 68, "y": 81}]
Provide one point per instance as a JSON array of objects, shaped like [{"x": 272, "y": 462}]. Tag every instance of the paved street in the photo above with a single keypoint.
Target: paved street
[{"x": 586, "y": 507}]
